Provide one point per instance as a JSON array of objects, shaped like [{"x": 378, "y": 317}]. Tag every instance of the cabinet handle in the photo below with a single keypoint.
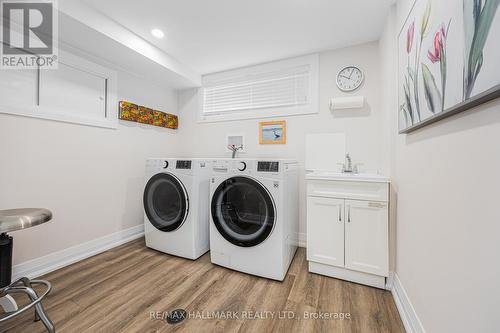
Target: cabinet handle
[
  {"x": 340, "y": 214},
  {"x": 349, "y": 214}
]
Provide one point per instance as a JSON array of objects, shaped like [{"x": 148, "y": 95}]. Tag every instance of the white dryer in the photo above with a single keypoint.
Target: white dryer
[
  {"x": 254, "y": 215},
  {"x": 176, "y": 206}
]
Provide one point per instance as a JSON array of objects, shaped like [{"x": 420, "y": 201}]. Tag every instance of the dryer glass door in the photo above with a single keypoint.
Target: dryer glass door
[
  {"x": 243, "y": 211},
  {"x": 165, "y": 202}
]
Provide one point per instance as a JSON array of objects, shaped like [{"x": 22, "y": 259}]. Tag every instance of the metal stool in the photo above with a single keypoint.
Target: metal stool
[{"x": 11, "y": 220}]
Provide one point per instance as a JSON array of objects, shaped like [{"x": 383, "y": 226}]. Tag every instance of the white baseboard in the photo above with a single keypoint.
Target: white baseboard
[
  {"x": 51, "y": 262},
  {"x": 408, "y": 315},
  {"x": 301, "y": 239},
  {"x": 347, "y": 274},
  {"x": 389, "y": 282}
]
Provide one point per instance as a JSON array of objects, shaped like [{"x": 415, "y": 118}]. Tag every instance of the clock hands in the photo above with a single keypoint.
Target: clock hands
[
  {"x": 348, "y": 77},
  {"x": 347, "y": 81}
]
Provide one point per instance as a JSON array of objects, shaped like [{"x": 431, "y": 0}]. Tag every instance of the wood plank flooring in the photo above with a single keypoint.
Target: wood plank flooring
[{"x": 123, "y": 289}]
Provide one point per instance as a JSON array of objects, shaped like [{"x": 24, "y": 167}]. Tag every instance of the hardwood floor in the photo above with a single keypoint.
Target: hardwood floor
[{"x": 122, "y": 289}]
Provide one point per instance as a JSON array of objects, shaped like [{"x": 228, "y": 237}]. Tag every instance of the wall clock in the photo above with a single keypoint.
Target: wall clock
[{"x": 350, "y": 78}]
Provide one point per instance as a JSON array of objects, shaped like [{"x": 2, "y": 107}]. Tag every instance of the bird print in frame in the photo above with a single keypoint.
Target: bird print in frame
[{"x": 272, "y": 132}]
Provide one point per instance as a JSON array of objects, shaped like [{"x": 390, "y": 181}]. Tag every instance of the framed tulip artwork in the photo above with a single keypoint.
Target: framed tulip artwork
[{"x": 449, "y": 53}]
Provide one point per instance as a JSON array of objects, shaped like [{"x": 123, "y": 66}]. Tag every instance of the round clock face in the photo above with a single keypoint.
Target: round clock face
[{"x": 350, "y": 78}]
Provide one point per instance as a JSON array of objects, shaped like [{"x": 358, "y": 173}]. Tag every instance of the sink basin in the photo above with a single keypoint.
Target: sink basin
[{"x": 358, "y": 177}]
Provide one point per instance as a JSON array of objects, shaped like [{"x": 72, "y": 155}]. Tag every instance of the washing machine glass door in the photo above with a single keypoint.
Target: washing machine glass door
[
  {"x": 243, "y": 211},
  {"x": 165, "y": 202}
]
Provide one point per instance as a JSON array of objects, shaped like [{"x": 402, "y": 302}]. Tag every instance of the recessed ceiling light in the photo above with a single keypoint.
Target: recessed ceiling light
[{"x": 157, "y": 33}]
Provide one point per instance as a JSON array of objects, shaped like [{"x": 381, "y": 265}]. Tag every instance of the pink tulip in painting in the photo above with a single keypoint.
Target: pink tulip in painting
[
  {"x": 435, "y": 53},
  {"x": 410, "y": 35}
]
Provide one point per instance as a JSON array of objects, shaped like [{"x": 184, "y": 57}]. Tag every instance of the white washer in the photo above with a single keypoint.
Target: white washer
[
  {"x": 254, "y": 215},
  {"x": 176, "y": 206}
]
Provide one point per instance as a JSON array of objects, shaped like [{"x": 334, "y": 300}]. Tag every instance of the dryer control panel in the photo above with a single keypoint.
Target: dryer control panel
[
  {"x": 268, "y": 166},
  {"x": 180, "y": 164}
]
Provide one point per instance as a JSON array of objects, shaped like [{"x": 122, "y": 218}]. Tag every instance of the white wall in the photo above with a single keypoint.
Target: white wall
[
  {"x": 91, "y": 178},
  {"x": 388, "y": 58},
  {"x": 363, "y": 127},
  {"x": 448, "y": 230}
]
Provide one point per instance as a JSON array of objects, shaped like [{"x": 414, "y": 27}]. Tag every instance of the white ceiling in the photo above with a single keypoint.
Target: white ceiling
[{"x": 215, "y": 35}]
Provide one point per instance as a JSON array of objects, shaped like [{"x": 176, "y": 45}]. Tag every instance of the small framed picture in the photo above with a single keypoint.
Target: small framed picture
[{"x": 272, "y": 132}]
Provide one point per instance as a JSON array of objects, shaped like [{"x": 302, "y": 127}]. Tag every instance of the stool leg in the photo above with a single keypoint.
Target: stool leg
[
  {"x": 27, "y": 283},
  {"x": 40, "y": 311},
  {"x": 38, "y": 307},
  {"x": 8, "y": 304}
]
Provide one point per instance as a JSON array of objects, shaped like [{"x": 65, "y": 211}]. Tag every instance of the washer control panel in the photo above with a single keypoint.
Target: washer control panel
[
  {"x": 180, "y": 164},
  {"x": 268, "y": 166},
  {"x": 220, "y": 166},
  {"x": 242, "y": 166}
]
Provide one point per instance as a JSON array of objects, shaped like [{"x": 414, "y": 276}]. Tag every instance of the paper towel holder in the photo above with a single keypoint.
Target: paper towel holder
[{"x": 349, "y": 102}]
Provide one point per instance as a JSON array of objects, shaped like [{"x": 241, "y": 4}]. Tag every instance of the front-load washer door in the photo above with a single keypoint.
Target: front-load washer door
[
  {"x": 165, "y": 202},
  {"x": 243, "y": 211}
]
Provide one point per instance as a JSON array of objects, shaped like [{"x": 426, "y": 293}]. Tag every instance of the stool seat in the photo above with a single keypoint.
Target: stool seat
[
  {"x": 23, "y": 218},
  {"x": 12, "y": 220}
]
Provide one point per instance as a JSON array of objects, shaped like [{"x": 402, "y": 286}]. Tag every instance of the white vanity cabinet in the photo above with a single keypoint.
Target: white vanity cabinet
[
  {"x": 348, "y": 227},
  {"x": 325, "y": 237}
]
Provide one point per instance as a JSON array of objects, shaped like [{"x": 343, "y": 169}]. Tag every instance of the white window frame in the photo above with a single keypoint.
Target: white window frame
[
  {"x": 111, "y": 111},
  {"x": 312, "y": 106}
]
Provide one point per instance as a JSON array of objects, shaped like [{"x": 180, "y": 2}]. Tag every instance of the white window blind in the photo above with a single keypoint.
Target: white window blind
[
  {"x": 275, "y": 89},
  {"x": 269, "y": 90}
]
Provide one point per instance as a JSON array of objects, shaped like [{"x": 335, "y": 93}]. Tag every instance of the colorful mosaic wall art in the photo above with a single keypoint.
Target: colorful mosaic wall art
[{"x": 141, "y": 114}]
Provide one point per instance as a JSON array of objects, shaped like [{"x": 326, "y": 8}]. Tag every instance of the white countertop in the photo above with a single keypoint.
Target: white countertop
[{"x": 359, "y": 177}]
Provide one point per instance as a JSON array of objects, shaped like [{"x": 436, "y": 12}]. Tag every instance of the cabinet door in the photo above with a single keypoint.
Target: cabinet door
[
  {"x": 325, "y": 231},
  {"x": 74, "y": 92},
  {"x": 18, "y": 89},
  {"x": 366, "y": 237}
]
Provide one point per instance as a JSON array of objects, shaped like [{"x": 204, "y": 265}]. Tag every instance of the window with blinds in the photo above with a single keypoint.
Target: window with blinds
[{"x": 274, "y": 89}]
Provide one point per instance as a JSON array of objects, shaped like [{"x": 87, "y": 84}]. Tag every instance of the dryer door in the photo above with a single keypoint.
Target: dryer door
[
  {"x": 165, "y": 202},
  {"x": 243, "y": 211}
]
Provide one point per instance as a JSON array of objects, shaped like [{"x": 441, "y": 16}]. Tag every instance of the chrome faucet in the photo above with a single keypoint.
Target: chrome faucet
[{"x": 347, "y": 166}]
